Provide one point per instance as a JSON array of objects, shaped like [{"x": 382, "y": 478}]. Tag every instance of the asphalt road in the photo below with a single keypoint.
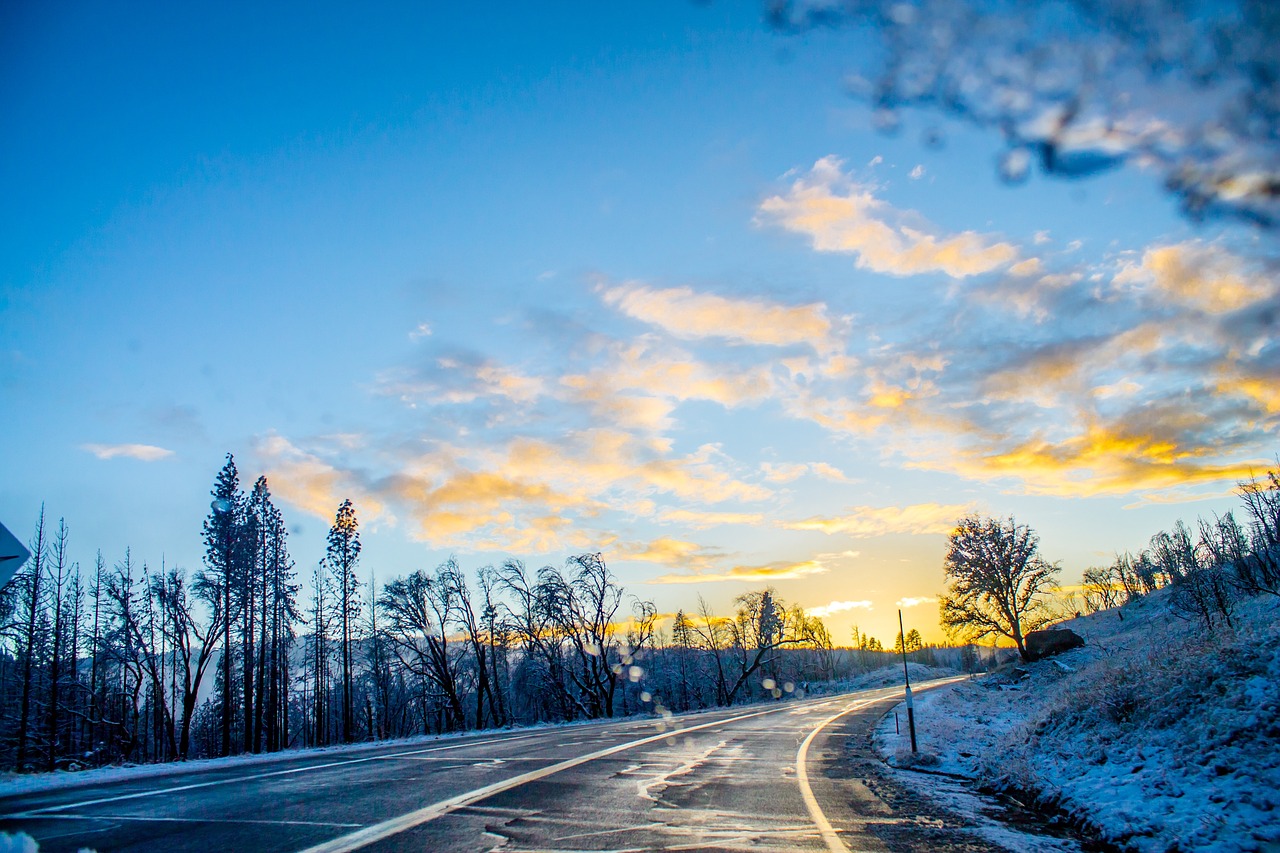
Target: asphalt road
[{"x": 794, "y": 775}]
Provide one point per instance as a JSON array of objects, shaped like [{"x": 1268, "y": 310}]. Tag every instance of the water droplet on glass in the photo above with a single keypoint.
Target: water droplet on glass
[
  {"x": 934, "y": 138},
  {"x": 768, "y": 684},
  {"x": 789, "y": 687},
  {"x": 635, "y": 673},
  {"x": 903, "y": 14},
  {"x": 221, "y": 505},
  {"x": 645, "y": 696},
  {"x": 1015, "y": 165},
  {"x": 886, "y": 120}
]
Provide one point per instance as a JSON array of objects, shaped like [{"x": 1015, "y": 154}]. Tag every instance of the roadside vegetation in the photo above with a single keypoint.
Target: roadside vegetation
[
  {"x": 128, "y": 663},
  {"x": 1162, "y": 732}
]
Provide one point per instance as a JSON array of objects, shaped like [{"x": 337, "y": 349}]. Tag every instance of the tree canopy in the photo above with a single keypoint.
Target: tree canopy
[{"x": 997, "y": 581}]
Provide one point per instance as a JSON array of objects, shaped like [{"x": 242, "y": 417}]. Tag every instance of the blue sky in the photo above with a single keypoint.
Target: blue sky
[{"x": 640, "y": 280}]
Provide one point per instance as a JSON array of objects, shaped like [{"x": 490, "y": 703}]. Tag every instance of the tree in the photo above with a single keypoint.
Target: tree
[
  {"x": 997, "y": 581},
  {"x": 342, "y": 555},
  {"x": 418, "y": 609},
  {"x": 1260, "y": 571},
  {"x": 914, "y": 642},
  {"x": 223, "y": 555},
  {"x": 32, "y": 606}
]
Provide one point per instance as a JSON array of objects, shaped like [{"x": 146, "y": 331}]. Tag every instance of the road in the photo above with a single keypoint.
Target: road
[{"x": 794, "y": 775}]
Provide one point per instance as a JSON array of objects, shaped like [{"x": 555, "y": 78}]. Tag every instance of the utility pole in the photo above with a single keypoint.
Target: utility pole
[{"x": 911, "y": 713}]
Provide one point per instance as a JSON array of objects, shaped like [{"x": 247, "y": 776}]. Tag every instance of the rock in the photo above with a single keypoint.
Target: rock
[{"x": 1052, "y": 641}]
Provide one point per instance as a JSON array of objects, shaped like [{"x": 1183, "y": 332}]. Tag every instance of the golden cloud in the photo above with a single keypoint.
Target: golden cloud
[
  {"x": 1103, "y": 459},
  {"x": 867, "y": 521},
  {"x": 782, "y": 570},
  {"x": 1198, "y": 275},
  {"x": 687, "y": 314},
  {"x": 703, "y": 520},
  {"x": 840, "y": 215},
  {"x": 312, "y": 484}
]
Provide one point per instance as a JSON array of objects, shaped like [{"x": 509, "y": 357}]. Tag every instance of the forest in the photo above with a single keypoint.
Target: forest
[{"x": 123, "y": 662}]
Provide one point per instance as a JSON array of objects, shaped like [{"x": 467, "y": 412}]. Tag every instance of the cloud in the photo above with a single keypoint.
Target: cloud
[
  {"x": 528, "y": 494},
  {"x": 1198, "y": 275},
  {"x": 689, "y": 315},
  {"x": 866, "y": 521},
  {"x": 1134, "y": 454},
  {"x": 312, "y": 484},
  {"x": 703, "y": 520},
  {"x": 666, "y": 551},
  {"x": 917, "y": 173},
  {"x": 786, "y": 472},
  {"x": 639, "y": 384},
  {"x": 840, "y": 215},
  {"x": 837, "y": 607},
  {"x": 781, "y": 570},
  {"x": 459, "y": 379},
  {"x": 422, "y": 330},
  {"x": 904, "y": 603},
  {"x": 141, "y": 452}
]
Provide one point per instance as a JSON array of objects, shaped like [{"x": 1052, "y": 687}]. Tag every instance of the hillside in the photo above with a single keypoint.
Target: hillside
[{"x": 1154, "y": 737}]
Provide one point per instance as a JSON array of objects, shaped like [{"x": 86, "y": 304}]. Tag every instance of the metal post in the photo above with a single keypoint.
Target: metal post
[{"x": 906, "y": 676}]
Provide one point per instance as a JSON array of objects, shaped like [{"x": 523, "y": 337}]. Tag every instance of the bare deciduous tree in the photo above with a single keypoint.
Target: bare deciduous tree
[{"x": 998, "y": 582}]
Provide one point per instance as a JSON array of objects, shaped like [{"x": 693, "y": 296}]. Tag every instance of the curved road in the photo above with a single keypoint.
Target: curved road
[{"x": 789, "y": 776}]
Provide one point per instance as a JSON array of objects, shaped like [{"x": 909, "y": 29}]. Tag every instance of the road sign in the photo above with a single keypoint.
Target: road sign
[{"x": 12, "y": 554}]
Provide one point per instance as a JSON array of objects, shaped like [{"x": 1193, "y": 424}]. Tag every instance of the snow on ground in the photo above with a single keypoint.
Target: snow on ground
[{"x": 1155, "y": 736}]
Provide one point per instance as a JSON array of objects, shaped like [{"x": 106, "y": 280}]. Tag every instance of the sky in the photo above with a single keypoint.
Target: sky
[{"x": 644, "y": 280}]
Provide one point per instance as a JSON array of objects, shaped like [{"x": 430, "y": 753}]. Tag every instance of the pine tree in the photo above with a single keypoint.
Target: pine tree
[
  {"x": 342, "y": 555},
  {"x": 223, "y": 552}
]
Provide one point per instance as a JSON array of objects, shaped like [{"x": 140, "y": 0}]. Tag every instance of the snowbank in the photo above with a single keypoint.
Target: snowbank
[{"x": 1154, "y": 736}]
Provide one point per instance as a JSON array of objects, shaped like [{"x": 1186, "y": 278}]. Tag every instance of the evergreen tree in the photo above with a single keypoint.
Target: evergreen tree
[
  {"x": 342, "y": 555},
  {"x": 223, "y": 553}
]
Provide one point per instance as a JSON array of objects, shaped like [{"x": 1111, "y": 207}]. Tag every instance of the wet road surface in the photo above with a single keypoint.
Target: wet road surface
[{"x": 793, "y": 776}]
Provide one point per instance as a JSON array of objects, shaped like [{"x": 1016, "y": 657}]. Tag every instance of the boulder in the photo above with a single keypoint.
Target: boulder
[{"x": 1051, "y": 641}]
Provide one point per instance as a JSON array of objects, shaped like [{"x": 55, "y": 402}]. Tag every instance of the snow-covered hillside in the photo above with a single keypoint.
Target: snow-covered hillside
[{"x": 1155, "y": 736}]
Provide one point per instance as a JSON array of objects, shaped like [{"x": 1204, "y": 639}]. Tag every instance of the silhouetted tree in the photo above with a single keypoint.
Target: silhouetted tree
[{"x": 998, "y": 582}]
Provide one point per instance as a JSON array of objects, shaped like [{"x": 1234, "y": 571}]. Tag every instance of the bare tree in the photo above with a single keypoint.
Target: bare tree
[
  {"x": 998, "y": 582},
  {"x": 418, "y": 609},
  {"x": 32, "y": 608},
  {"x": 192, "y": 638},
  {"x": 1260, "y": 571}
]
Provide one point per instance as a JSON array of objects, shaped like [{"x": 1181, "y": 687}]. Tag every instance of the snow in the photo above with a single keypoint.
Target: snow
[
  {"x": 1154, "y": 736},
  {"x": 20, "y": 842}
]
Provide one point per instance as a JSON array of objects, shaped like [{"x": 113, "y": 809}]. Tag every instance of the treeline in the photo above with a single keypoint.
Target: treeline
[
  {"x": 136, "y": 663},
  {"x": 1211, "y": 569}
]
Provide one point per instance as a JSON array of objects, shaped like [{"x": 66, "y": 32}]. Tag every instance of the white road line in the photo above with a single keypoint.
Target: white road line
[
  {"x": 835, "y": 844},
  {"x": 253, "y": 777},
  {"x": 140, "y": 818},
  {"x": 396, "y": 825},
  {"x": 828, "y": 832}
]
